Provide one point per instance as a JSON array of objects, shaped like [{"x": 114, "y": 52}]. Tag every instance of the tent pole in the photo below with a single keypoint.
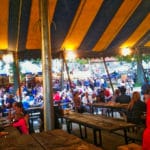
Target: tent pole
[
  {"x": 46, "y": 67},
  {"x": 16, "y": 75},
  {"x": 106, "y": 68},
  {"x": 139, "y": 60},
  {"x": 67, "y": 70},
  {"x": 62, "y": 73},
  {"x": 16, "y": 58}
]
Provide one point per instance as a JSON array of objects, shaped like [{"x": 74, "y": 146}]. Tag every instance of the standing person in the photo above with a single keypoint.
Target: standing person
[{"x": 146, "y": 133}]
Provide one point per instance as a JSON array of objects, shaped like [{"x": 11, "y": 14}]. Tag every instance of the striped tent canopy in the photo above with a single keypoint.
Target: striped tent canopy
[{"x": 91, "y": 28}]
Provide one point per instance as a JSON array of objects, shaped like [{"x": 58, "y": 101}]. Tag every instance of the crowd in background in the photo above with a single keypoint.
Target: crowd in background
[{"x": 77, "y": 95}]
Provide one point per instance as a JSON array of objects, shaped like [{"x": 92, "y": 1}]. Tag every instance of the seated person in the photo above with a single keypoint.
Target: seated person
[
  {"x": 18, "y": 109},
  {"x": 20, "y": 123},
  {"x": 115, "y": 95},
  {"x": 123, "y": 98},
  {"x": 135, "y": 109}
]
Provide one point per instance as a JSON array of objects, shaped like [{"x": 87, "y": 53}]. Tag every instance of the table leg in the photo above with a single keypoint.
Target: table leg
[
  {"x": 112, "y": 112},
  {"x": 125, "y": 136},
  {"x": 68, "y": 126},
  {"x": 85, "y": 131},
  {"x": 80, "y": 127},
  {"x": 94, "y": 136},
  {"x": 100, "y": 137}
]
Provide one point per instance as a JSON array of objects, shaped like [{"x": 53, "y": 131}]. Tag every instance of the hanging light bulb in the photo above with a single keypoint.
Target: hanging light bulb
[{"x": 8, "y": 58}]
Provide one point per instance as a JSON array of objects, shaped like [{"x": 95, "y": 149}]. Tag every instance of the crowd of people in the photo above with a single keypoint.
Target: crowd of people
[
  {"x": 78, "y": 96},
  {"x": 15, "y": 109}
]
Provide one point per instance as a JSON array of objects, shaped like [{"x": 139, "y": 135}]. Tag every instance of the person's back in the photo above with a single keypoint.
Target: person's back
[
  {"x": 135, "y": 113},
  {"x": 123, "y": 98}
]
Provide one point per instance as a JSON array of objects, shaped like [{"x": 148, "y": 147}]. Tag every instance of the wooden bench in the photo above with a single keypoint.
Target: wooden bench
[
  {"x": 48, "y": 140},
  {"x": 133, "y": 135},
  {"x": 131, "y": 146}
]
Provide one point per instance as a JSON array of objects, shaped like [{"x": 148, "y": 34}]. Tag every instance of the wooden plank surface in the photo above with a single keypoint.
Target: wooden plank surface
[
  {"x": 109, "y": 105},
  {"x": 61, "y": 140},
  {"x": 16, "y": 141},
  {"x": 98, "y": 121},
  {"x": 50, "y": 140}
]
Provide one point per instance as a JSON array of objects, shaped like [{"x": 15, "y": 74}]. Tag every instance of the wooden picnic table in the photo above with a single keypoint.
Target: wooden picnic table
[
  {"x": 16, "y": 141},
  {"x": 97, "y": 123},
  {"x": 61, "y": 140},
  {"x": 111, "y": 107},
  {"x": 49, "y": 140}
]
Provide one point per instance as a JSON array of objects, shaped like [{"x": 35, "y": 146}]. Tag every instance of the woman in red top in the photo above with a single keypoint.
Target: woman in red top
[
  {"x": 21, "y": 123},
  {"x": 146, "y": 134}
]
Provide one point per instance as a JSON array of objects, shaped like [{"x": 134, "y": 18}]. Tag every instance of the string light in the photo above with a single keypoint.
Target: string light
[{"x": 126, "y": 51}]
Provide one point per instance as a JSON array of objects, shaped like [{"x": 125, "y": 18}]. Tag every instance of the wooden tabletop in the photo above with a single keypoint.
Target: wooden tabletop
[
  {"x": 110, "y": 105},
  {"x": 16, "y": 141},
  {"x": 98, "y": 121},
  {"x": 50, "y": 140},
  {"x": 61, "y": 140}
]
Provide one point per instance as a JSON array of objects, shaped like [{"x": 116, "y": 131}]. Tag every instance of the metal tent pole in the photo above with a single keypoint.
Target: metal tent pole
[{"x": 46, "y": 67}]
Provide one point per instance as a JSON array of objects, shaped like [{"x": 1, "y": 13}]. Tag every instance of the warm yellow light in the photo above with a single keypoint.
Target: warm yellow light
[
  {"x": 70, "y": 55},
  {"x": 70, "y": 47},
  {"x": 3, "y": 45},
  {"x": 126, "y": 51}
]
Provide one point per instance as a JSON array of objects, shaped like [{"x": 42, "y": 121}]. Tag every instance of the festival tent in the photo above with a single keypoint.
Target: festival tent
[{"x": 91, "y": 28}]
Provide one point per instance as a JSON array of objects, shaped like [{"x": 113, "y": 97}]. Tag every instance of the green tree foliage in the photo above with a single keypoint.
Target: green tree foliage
[
  {"x": 82, "y": 61},
  {"x": 127, "y": 58},
  {"x": 131, "y": 58},
  {"x": 138, "y": 59}
]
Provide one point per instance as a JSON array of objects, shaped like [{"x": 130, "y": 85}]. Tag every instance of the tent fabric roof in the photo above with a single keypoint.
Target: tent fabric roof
[{"x": 92, "y": 28}]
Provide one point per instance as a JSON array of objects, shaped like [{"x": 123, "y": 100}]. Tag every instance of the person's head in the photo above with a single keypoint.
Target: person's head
[
  {"x": 122, "y": 90},
  {"x": 117, "y": 92},
  {"x": 18, "y": 107},
  {"x": 136, "y": 96}
]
